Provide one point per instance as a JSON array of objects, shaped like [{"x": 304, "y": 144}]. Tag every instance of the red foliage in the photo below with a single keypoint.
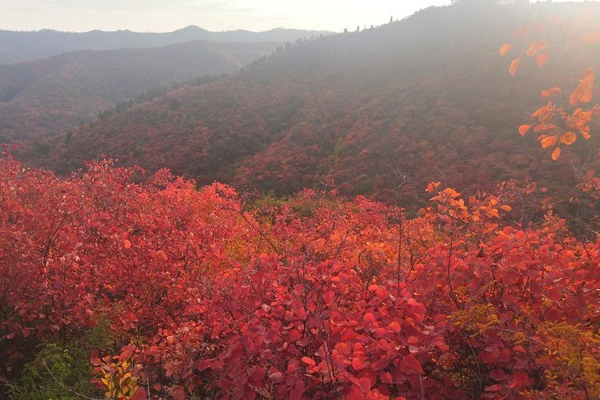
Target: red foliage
[{"x": 303, "y": 299}]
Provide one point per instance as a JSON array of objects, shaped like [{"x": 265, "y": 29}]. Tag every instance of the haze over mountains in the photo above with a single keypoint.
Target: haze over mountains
[
  {"x": 28, "y": 46},
  {"x": 86, "y": 73},
  {"x": 427, "y": 98},
  {"x": 46, "y": 97}
]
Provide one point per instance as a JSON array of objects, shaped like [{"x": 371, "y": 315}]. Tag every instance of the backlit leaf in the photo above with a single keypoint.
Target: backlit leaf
[
  {"x": 505, "y": 48},
  {"x": 513, "y": 66},
  {"x": 584, "y": 91},
  {"x": 550, "y": 92},
  {"x": 523, "y": 129},
  {"x": 548, "y": 141},
  {"x": 568, "y": 138},
  {"x": 542, "y": 59}
]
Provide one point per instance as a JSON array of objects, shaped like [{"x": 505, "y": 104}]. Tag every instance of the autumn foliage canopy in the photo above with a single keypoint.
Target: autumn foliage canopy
[{"x": 210, "y": 295}]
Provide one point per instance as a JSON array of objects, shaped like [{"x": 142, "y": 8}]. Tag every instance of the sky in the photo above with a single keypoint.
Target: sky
[{"x": 214, "y": 15}]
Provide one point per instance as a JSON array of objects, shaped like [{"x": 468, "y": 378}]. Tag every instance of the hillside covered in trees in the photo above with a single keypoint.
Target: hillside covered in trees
[
  {"x": 39, "y": 99},
  {"x": 362, "y": 110}
]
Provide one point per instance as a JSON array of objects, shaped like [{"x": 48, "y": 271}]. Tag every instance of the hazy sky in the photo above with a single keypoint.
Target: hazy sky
[{"x": 214, "y": 15}]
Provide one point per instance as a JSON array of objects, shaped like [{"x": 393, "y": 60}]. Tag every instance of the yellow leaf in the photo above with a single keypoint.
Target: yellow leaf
[
  {"x": 568, "y": 138},
  {"x": 556, "y": 153},
  {"x": 542, "y": 59},
  {"x": 523, "y": 129},
  {"x": 513, "y": 66},
  {"x": 505, "y": 48},
  {"x": 547, "y": 141}
]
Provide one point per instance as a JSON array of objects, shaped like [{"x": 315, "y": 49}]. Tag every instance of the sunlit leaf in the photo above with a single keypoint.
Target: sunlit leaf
[
  {"x": 542, "y": 59},
  {"x": 550, "y": 92},
  {"x": 513, "y": 66},
  {"x": 505, "y": 49},
  {"x": 556, "y": 153},
  {"x": 568, "y": 138},
  {"x": 532, "y": 49},
  {"x": 584, "y": 91},
  {"x": 523, "y": 129},
  {"x": 548, "y": 141}
]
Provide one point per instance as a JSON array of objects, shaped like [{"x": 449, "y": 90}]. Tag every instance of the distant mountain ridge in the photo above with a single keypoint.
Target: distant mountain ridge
[{"x": 29, "y": 46}]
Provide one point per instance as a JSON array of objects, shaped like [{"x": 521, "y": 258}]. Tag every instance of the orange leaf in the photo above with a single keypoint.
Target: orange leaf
[
  {"x": 548, "y": 141},
  {"x": 543, "y": 127},
  {"x": 513, "y": 66},
  {"x": 550, "y": 92},
  {"x": 523, "y": 129},
  {"x": 584, "y": 91},
  {"x": 432, "y": 185},
  {"x": 521, "y": 31},
  {"x": 568, "y": 138},
  {"x": 127, "y": 244},
  {"x": 556, "y": 153},
  {"x": 591, "y": 38},
  {"x": 542, "y": 59},
  {"x": 532, "y": 49},
  {"x": 505, "y": 48}
]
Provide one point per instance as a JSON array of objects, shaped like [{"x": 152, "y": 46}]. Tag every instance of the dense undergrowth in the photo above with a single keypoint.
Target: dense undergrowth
[{"x": 121, "y": 290}]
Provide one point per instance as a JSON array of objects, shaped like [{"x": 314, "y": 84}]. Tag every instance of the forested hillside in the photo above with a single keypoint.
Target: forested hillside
[
  {"x": 427, "y": 98},
  {"x": 44, "y": 98}
]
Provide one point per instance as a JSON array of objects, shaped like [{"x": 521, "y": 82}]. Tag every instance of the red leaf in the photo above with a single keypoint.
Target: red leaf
[
  {"x": 411, "y": 366},
  {"x": 355, "y": 393},
  {"x": 329, "y": 297},
  {"x": 369, "y": 318},
  {"x": 520, "y": 380},
  {"x": 497, "y": 375},
  {"x": 357, "y": 364},
  {"x": 298, "y": 390},
  {"x": 308, "y": 361},
  {"x": 364, "y": 384},
  {"x": 277, "y": 377},
  {"x": 394, "y": 326},
  {"x": 489, "y": 354}
]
